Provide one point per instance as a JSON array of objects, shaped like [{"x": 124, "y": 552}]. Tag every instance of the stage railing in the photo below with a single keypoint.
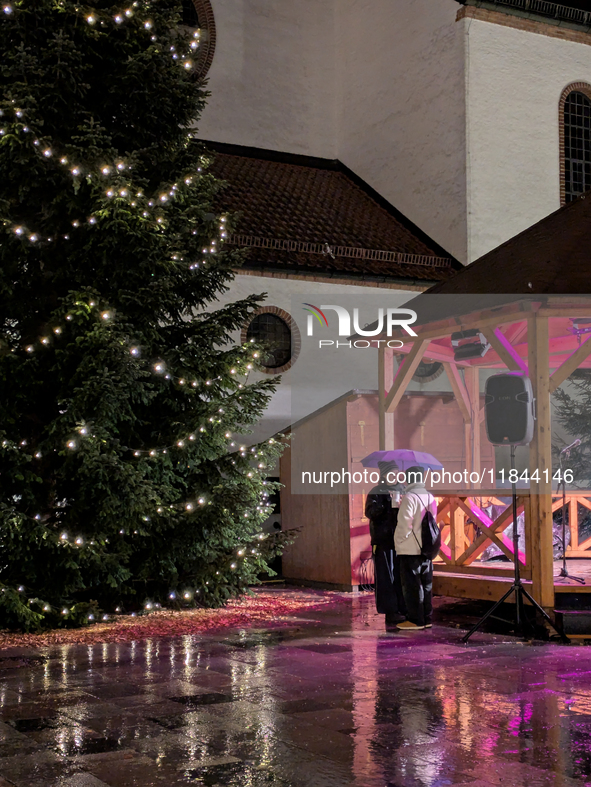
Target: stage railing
[
  {"x": 474, "y": 520},
  {"x": 578, "y": 506}
]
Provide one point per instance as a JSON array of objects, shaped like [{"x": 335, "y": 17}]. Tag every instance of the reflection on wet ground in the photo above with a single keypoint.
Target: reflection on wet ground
[{"x": 331, "y": 701}]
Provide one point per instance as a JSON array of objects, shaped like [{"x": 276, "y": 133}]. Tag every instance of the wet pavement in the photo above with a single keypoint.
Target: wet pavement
[{"x": 332, "y": 700}]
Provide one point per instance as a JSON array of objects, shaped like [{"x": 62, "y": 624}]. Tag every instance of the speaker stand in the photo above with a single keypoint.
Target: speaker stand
[
  {"x": 517, "y": 586},
  {"x": 563, "y": 573}
]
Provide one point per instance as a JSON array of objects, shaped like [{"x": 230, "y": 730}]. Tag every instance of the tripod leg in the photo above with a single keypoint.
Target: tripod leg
[
  {"x": 580, "y": 580},
  {"x": 519, "y": 621},
  {"x": 488, "y": 614},
  {"x": 543, "y": 612}
]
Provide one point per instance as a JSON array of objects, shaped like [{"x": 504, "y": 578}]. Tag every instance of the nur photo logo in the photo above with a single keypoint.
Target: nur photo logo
[{"x": 387, "y": 320}]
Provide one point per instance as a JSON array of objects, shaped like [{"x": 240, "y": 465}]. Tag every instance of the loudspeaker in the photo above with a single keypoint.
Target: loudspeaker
[{"x": 509, "y": 409}]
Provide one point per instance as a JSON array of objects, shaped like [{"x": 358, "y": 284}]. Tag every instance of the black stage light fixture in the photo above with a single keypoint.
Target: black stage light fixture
[{"x": 469, "y": 344}]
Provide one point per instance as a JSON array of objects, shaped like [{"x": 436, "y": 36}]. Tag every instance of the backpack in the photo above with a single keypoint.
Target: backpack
[{"x": 430, "y": 536}]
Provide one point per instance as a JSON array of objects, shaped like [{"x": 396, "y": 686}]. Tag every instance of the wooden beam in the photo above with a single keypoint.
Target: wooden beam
[
  {"x": 440, "y": 355},
  {"x": 516, "y": 331},
  {"x": 466, "y": 324},
  {"x": 473, "y": 570},
  {"x": 481, "y": 543},
  {"x": 503, "y": 348},
  {"x": 404, "y": 374},
  {"x": 574, "y": 534},
  {"x": 460, "y": 392},
  {"x": 569, "y": 310},
  {"x": 559, "y": 346},
  {"x": 456, "y": 519},
  {"x": 490, "y": 588},
  {"x": 472, "y": 382},
  {"x": 490, "y": 528},
  {"x": 517, "y": 311},
  {"x": 540, "y": 459},
  {"x": 389, "y": 366},
  {"x": 526, "y": 501},
  {"x": 382, "y": 397},
  {"x": 435, "y": 352},
  {"x": 570, "y": 365}
]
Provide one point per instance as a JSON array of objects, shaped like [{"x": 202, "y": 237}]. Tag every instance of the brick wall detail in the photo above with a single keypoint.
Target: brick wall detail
[
  {"x": 580, "y": 87},
  {"x": 296, "y": 339},
  {"x": 207, "y": 48},
  {"x": 520, "y": 23}
]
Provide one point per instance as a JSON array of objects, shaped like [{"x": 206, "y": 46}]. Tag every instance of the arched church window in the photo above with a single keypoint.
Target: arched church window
[{"x": 575, "y": 141}]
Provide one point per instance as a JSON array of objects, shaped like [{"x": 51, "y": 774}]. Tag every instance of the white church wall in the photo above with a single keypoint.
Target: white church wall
[
  {"x": 514, "y": 82},
  {"x": 377, "y": 84},
  {"x": 402, "y": 116},
  {"x": 454, "y": 122},
  {"x": 272, "y": 76}
]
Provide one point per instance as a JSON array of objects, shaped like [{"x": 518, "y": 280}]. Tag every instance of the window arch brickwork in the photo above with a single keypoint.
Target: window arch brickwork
[
  {"x": 579, "y": 87},
  {"x": 207, "y": 48},
  {"x": 296, "y": 339}
]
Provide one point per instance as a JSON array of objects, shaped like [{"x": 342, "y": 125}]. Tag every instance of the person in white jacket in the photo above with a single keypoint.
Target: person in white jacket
[{"x": 416, "y": 571}]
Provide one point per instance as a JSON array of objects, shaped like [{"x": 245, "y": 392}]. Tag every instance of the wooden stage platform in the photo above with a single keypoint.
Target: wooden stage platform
[{"x": 478, "y": 581}]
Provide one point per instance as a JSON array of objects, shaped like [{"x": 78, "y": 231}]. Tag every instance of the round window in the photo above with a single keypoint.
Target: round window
[
  {"x": 190, "y": 18},
  {"x": 275, "y": 335},
  {"x": 425, "y": 371}
]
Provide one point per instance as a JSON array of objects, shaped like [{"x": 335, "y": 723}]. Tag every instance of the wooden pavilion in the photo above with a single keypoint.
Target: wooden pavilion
[{"x": 527, "y": 299}]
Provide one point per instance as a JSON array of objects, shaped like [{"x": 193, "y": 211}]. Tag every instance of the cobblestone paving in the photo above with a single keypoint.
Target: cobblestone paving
[{"x": 332, "y": 701}]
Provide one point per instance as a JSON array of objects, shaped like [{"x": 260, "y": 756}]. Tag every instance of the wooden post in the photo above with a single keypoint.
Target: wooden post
[
  {"x": 472, "y": 430},
  {"x": 389, "y": 416},
  {"x": 385, "y": 377},
  {"x": 382, "y": 397},
  {"x": 456, "y": 522},
  {"x": 573, "y": 522},
  {"x": 462, "y": 396},
  {"x": 526, "y": 500},
  {"x": 460, "y": 392},
  {"x": 405, "y": 373},
  {"x": 540, "y": 461}
]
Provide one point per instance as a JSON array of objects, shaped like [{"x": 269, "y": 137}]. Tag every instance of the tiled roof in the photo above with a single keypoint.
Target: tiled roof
[
  {"x": 320, "y": 202},
  {"x": 553, "y": 257},
  {"x": 574, "y": 11}
]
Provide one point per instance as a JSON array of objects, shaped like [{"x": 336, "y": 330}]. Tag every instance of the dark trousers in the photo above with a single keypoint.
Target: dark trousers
[
  {"x": 388, "y": 588},
  {"x": 416, "y": 574}
]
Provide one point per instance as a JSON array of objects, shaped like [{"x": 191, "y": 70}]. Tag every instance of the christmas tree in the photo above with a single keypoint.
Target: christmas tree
[{"x": 122, "y": 485}]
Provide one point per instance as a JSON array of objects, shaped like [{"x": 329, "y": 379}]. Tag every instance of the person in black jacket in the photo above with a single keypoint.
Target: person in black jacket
[{"x": 381, "y": 508}]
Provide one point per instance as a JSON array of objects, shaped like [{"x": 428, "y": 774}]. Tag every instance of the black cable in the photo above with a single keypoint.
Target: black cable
[{"x": 366, "y": 575}]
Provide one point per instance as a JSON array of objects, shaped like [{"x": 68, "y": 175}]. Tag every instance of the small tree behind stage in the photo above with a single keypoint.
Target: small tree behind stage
[
  {"x": 573, "y": 412},
  {"x": 121, "y": 485}
]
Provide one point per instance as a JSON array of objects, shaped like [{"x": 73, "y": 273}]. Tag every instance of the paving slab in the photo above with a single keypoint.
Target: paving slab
[{"x": 331, "y": 701}]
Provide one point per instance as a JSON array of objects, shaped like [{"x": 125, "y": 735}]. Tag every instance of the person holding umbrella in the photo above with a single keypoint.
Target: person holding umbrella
[{"x": 381, "y": 508}]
